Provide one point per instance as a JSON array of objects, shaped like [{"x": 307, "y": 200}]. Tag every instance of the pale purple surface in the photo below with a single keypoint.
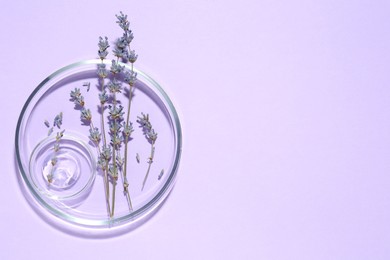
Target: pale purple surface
[{"x": 285, "y": 108}]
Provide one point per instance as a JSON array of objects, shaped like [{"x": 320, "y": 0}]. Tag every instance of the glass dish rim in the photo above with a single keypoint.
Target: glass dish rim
[{"x": 127, "y": 219}]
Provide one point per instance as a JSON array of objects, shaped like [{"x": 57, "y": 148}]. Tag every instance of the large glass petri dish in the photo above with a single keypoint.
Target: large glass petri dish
[{"x": 77, "y": 198}]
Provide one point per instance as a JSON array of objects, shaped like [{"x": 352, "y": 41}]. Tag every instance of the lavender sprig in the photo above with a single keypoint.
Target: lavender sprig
[
  {"x": 103, "y": 97},
  {"x": 115, "y": 122},
  {"x": 110, "y": 160},
  {"x": 151, "y": 136},
  {"x": 123, "y": 50},
  {"x": 94, "y": 133}
]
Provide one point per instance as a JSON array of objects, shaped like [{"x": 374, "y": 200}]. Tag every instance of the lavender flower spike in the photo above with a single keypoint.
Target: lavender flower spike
[
  {"x": 103, "y": 46},
  {"x": 114, "y": 86},
  {"x": 128, "y": 129},
  {"x": 116, "y": 112},
  {"x": 130, "y": 77},
  {"x": 115, "y": 67},
  {"x": 103, "y": 43},
  {"x": 103, "y": 97},
  {"x": 85, "y": 114},
  {"x": 74, "y": 94},
  {"x": 122, "y": 21},
  {"x": 131, "y": 56},
  {"x": 151, "y": 135},
  {"x": 94, "y": 135},
  {"x": 102, "y": 71},
  {"x": 144, "y": 121}
]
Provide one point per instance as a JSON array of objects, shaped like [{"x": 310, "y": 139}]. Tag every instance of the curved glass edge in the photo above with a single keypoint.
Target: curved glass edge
[{"x": 134, "y": 217}]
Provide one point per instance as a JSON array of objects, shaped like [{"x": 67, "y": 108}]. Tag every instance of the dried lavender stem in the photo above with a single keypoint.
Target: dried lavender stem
[
  {"x": 113, "y": 197},
  {"x": 107, "y": 193},
  {"x": 102, "y": 116},
  {"x": 105, "y": 179},
  {"x": 113, "y": 184},
  {"x": 128, "y": 198},
  {"x": 114, "y": 163},
  {"x": 126, "y": 190},
  {"x": 127, "y": 140},
  {"x": 126, "y": 149},
  {"x": 150, "y": 164}
]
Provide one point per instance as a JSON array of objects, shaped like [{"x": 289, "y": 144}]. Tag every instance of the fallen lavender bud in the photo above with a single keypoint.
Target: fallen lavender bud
[
  {"x": 87, "y": 84},
  {"x": 58, "y": 120},
  {"x": 161, "y": 174}
]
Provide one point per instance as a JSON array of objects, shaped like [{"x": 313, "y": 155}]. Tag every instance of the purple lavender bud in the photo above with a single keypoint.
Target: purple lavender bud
[
  {"x": 115, "y": 67},
  {"x": 114, "y": 86},
  {"x": 132, "y": 57},
  {"x": 85, "y": 114},
  {"x": 102, "y": 71},
  {"x": 130, "y": 77},
  {"x": 94, "y": 135}
]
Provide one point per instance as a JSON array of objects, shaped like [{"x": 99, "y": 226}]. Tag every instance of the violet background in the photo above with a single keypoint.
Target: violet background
[{"x": 285, "y": 109}]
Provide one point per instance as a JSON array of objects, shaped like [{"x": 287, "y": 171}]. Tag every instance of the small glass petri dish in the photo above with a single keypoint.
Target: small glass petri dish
[
  {"x": 70, "y": 179},
  {"x": 65, "y": 185}
]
